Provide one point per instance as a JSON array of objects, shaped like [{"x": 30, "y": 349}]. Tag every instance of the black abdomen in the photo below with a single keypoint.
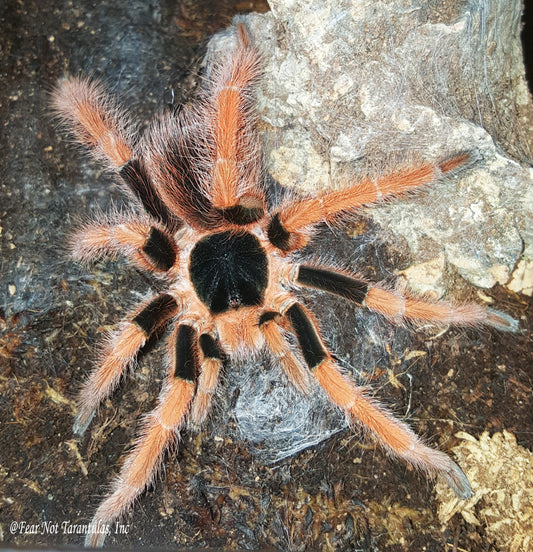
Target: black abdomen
[{"x": 229, "y": 270}]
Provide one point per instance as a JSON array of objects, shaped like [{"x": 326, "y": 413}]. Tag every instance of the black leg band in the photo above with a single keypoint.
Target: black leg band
[
  {"x": 161, "y": 249},
  {"x": 310, "y": 343},
  {"x": 277, "y": 234},
  {"x": 156, "y": 313},
  {"x": 268, "y": 316},
  {"x": 135, "y": 176},
  {"x": 241, "y": 215},
  {"x": 210, "y": 348},
  {"x": 333, "y": 282},
  {"x": 186, "y": 355}
]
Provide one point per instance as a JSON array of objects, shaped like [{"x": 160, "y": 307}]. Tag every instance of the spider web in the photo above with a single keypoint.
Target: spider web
[{"x": 274, "y": 418}]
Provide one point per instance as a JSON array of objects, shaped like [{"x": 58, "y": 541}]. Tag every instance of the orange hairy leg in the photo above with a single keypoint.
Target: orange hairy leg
[
  {"x": 121, "y": 351},
  {"x": 226, "y": 177},
  {"x": 140, "y": 467},
  {"x": 150, "y": 247},
  {"x": 396, "y": 305},
  {"x": 207, "y": 382},
  {"x": 297, "y": 374},
  {"x": 160, "y": 430},
  {"x": 394, "y": 435},
  {"x": 232, "y": 128},
  {"x": 207, "y": 379},
  {"x": 93, "y": 118},
  {"x": 284, "y": 228},
  {"x": 400, "y": 307}
]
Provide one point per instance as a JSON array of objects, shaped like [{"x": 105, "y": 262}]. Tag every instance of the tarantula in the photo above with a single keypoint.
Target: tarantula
[{"x": 206, "y": 230}]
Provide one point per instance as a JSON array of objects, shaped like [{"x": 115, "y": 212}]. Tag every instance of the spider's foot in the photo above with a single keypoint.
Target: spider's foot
[
  {"x": 460, "y": 161},
  {"x": 457, "y": 480},
  {"x": 502, "y": 321},
  {"x": 82, "y": 421},
  {"x": 96, "y": 539}
]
